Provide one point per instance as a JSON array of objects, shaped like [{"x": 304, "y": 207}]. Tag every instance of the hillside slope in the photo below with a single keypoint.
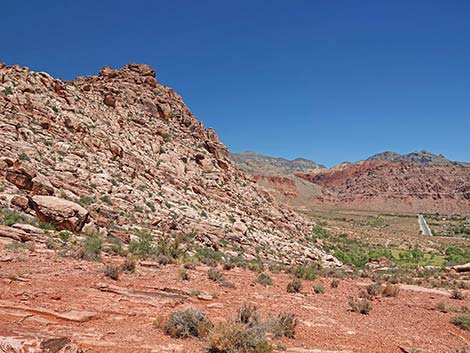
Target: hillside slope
[{"x": 129, "y": 150}]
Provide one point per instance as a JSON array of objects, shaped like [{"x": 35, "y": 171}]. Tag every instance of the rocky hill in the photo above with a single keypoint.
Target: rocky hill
[
  {"x": 259, "y": 164},
  {"x": 403, "y": 186},
  {"x": 119, "y": 151},
  {"x": 420, "y": 157}
]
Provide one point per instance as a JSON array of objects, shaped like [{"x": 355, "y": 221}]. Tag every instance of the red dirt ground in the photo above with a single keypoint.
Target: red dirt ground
[{"x": 41, "y": 279}]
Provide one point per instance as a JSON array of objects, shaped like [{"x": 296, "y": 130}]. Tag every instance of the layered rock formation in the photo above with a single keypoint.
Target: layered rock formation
[
  {"x": 396, "y": 186},
  {"x": 131, "y": 153}
]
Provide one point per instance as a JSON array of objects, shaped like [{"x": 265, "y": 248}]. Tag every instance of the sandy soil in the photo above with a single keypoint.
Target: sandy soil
[{"x": 42, "y": 293}]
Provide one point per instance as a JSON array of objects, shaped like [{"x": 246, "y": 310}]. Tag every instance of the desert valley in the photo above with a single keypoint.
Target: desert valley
[{"x": 127, "y": 226}]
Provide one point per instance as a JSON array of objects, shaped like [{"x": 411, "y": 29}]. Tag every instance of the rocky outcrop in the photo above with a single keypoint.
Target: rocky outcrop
[
  {"x": 128, "y": 150},
  {"x": 14, "y": 233}
]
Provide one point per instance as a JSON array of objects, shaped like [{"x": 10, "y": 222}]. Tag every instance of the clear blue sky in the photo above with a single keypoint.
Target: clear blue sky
[{"x": 327, "y": 80}]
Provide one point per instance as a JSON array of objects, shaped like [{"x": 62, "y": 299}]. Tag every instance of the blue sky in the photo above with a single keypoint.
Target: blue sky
[{"x": 327, "y": 80}]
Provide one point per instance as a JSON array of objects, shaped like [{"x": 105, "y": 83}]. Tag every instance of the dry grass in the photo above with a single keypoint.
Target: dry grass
[
  {"x": 233, "y": 337},
  {"x": 112, "y": 271},
  {"x": 361, "y": 305},
  {"x": 183, "y": 324},
  {"x": 248, "y": 314},
  {"x": 283, "y": 325},
  {"x": 295, "y": 286},
  {"x": 391, "y": 290}
]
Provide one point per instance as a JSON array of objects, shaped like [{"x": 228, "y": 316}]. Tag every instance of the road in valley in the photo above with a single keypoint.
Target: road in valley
[{"x": 425, "y": 230}]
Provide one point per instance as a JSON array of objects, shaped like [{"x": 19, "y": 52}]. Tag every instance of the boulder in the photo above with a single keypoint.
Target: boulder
[
  {"x": 20, "y": 201},
  {"x": 64, "y": 214},
  {"x": 110, "y": 101},
  {"x": 21, "y": 175}
]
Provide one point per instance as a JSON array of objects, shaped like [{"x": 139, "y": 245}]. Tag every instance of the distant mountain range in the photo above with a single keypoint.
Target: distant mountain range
[
  {"x": 256, "y": 163},
  {"x": 415, "y": 182},
  {"x": 420, "y": 157}
]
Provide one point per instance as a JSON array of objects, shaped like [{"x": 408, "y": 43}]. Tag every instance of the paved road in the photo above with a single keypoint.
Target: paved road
[{"x": 425, "y": 230}]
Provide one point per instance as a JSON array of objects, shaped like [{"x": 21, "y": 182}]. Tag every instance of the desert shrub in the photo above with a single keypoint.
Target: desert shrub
[
  {"x": 183, "y": 324},
  {"x": 184, "y": 275},
  {"x": 86, "y": 200},
  {"x": 457, "y": 294},
  {"x": 283, "y": 325},
  {"x": 306, "y": 271},
  {"x": 214, "y": 275},
  {"x": 112, "y": 271},
  {"x": 264, "y": 279},
  {"x": 374, "y": 289},
  {"x": 334, "y": 283},
  {"x": 318, "y": 232},
  {"x": 189, "y": 266},
  {"x": 248, "y": 314},
  {"x": 319, "y": 289},
  {"x": 442, "y": 307},
  {"x": 295, "y": 286},
  {"x": 232, "y": 337},
  {"x": 23, "y": 156},
  {"x": 391, "y": 290},
  {"x": 65, "y": 235},
  {"x": 128, "y": 266},
  {"x": 171, "y": 247},
  {"x": 462, "y": 321},
  {"x": 206, "y": 254},
  {"x": 143, "y": 246},
  {"x": 255, "y": 265},
  {"x": 9, "y": 217},
  {"x": 91, "y": 248},
  {"x": 360, "y": 305},
  {"x": 456, "y": 256},
  {"x": 227, "y": 266},
  {"x": 106, "y": 199},
  {"x": 18, "y": 246},
  {"x": 412, "y": 256},
  {"x": 163, "y": 260}
]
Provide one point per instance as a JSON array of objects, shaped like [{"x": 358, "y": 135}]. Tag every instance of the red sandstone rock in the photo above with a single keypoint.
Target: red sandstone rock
[{"x": 64, "y": 214}]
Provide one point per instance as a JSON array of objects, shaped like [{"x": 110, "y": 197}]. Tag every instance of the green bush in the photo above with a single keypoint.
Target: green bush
[
  {"x": 143, "y": 246},
  {"x": 462, "y": 321},
  {"x": 319, "y": 289},
  {"x": 264, "y": 279},
  {"x": 306, "y": 271},
  {"x": 318, "y": 232},
  {"x": 91, "y": 248},
  {"x": 457, "y": 256}
]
